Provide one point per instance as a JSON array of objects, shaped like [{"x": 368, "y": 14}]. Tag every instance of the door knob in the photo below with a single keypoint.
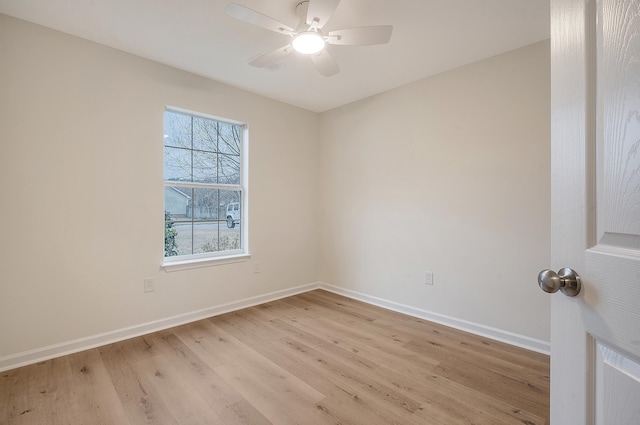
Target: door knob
[{"x": 566, "y": 280}]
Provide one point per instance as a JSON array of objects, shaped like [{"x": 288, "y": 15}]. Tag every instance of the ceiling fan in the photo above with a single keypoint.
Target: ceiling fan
[{"x": 308, "y": 38}]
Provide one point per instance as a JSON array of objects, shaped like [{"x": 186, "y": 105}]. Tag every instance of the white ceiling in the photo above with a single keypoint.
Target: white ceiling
[{"x": 429, "y": 36}]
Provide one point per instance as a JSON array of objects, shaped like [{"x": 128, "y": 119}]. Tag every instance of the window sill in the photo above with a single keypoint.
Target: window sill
[{"x": 192, "y": 263}]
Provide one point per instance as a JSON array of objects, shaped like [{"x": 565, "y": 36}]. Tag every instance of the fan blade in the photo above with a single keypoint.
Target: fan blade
[
  {"x": 325, "y": 63},
  {"x": 321, "y": 11},
  {"x": 271, "y": 57},
  {"x": 250, "y": 16},
  {"x": 362, "y": 36}
]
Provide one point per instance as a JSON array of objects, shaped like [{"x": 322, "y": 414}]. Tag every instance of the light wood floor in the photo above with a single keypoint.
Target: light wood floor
[{"x": 315, "y": 358}]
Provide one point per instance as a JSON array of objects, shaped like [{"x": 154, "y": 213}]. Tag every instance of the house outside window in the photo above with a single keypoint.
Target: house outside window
[{"x": 204, "y": 188}]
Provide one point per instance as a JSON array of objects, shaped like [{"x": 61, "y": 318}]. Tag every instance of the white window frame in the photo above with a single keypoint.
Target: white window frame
[{"x": 185, "y": 262}]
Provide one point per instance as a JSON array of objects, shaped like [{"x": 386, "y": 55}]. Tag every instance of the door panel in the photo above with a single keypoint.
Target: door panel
[
  {"x": 618, "y": 105},
  {"x": 616, "y": 383}
]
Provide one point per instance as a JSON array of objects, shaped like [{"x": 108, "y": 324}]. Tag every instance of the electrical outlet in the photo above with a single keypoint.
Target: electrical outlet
[
  {"x": 428, "y": 278},
  {"x": 149, "y": 284},
  {"x": 256, "y": 268}
]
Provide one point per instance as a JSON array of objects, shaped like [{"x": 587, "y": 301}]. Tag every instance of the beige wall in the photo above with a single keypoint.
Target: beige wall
[
  {"x": 82, "y": 197},
  {"x": 449, "y": 174}
]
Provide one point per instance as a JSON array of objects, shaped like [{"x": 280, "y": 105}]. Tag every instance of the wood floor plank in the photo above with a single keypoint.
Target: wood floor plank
[
  {"x": 529, "y": 397},
  {"x": 346, "y": 364},
  {"x": 276, "y": 393},
  {"x": 222, "y": 398},
  {"x": 405, "y": 367},
  {"x": 348, "y": 399},
  {"x": 314, "y": 358},
  {"x": 24, "y": 396},
  {"x": 97, "y": 399},
  {"x": 399, "y": 321},
  {"x": 177, "y": 393},
  {"x": 139, "y": 397},
  {"x": 341, "y": 404},
  {"x": 496, "y": 412},
  {"x": 443, "y": 343}
]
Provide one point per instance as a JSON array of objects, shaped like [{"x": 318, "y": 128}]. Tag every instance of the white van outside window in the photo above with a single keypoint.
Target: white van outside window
[{"x": 233, "y": 214}]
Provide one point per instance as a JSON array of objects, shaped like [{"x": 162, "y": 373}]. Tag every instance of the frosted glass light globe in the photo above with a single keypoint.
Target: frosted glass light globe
[{"x": 308, "y": 42}]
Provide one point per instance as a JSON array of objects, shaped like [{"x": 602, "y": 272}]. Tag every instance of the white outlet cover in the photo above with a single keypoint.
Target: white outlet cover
[
  {"x": 428, "y": 278},
  {"x": 149, "y": 285}
]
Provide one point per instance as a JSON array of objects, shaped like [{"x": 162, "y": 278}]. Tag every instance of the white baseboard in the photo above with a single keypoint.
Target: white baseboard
[
  {"x": 45, "y": 353},
  {"x": 511, "y": 338}
]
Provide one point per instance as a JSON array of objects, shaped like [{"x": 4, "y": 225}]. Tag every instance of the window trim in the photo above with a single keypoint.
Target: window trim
[
  {"x": 196, "y": 263},
  {"x": 186, "y": 262}
]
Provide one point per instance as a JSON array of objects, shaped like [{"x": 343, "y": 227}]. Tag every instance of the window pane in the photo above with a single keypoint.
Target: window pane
[
  {"x": 205, "y": 237},
  {"x": 204, "y": 167},
  {"x": 230, "y": 234},
  {"x": 229, "y": 238},
  {"x": 205, "y": 204},
  {"x": 228, "y": 169},
  {"x": 201, "y": 220},
  {"x": 228, "y": 197},
  {"x": 229, "y": 138},
  {"x": 205, "y": 134},
  {"x": 177, "y": 202},
  {"x": 177, "y": 164},
  {"x": 177, "y": 130},
  {"x": 205, "y": 216},
  {"x": 183, "y": 237}
]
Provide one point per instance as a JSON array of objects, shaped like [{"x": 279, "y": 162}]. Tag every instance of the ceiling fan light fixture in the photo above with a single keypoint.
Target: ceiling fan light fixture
[{"x": 308, "y": 42}]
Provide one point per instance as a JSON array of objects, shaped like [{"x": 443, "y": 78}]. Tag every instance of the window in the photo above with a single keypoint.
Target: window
[{"x": 204, "y": 188}]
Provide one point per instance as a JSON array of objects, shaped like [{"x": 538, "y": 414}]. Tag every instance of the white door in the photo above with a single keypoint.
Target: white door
[{"x": 595, "y": 92}]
